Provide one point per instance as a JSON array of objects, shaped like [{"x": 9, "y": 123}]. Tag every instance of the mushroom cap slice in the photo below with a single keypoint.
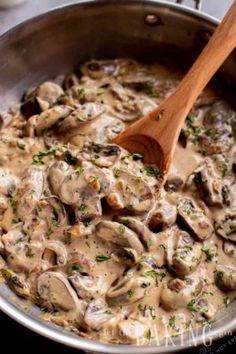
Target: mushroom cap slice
[
  {"x": 87, "y": 286},
  {"x": 132, "y": 330},
  {"x": 57, "y": 173},
  {"x": 29, "y": 192},
  {"x": 82, "y": 114},
  {"x": 131, "y": 193},
  {"x": 57, "y": 248},
  {"x": 17, "y": 283},
  {"x": 226, "y": 227},
  {"x": 229, "y": 248},
  {"x": 177, "y": 293},
  {"x": 8, "y": 183},
  {"x": 163, "y": 217},
  {"x": 47, "y": 119},
  {"x": 49, "y": 91},
  {"x": 97, "y": 69},
  {"x": 183, "y": 253},
  {"x": 97, "y": 314},
  {"x": 56, "y": 292},
  {"x": 147, "y": 238},
  {"x": 209, "y": 183},
  {"x": 193, "y": 219},
  {"x": 24, "y": 254},
  {"x": 119, "y": 234},
  {"x": 102, "y": 155},
  {"x": 226, "y": 277}
]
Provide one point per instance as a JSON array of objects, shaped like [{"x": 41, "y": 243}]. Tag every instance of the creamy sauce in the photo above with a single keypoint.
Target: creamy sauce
[{"x": 90, "y": 234}]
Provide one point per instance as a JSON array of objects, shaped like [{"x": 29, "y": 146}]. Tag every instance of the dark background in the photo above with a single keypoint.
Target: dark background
[{"x": 15, "y": 337}]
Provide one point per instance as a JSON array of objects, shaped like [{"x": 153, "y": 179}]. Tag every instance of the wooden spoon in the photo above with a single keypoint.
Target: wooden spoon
[{"x": 155, "y": 136}]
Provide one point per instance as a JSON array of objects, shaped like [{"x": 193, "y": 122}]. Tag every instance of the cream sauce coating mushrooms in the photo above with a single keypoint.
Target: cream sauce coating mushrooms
[{"x": 110, "y": 250}]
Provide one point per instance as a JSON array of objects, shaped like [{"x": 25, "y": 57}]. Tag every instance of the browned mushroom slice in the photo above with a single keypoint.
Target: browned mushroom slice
[
  {"x": 229, "y": 248},
  {"x": 101, "y": 130},
  {"x": 226, "y": 227},
  {"x": 203, "y": 309},
  {"x": 87, "y": 286},
  {"x": 29, "y": 192},
  {"x": 130, "y": 192},
  {"x": 100, "y": 68},
  {"x": 49, "y": 92},
  {"x": 55, "y": 253},
  {"x": 119, "y": 234},
  {"x": 225, "y": 277},
  {"x": 132, "y": 330},
  {"x": 147, "y": 238},
  {"x": 128, "y": 289},
  {"x": 97, "y": 314},
  {"x": 52, "y": 211},
  {"x": 193, "y": 219},
  {"x": 164, "y": 216},
  {"x": 46, "y": 119},
  {"x": 8, "y": 182},
  {"x": 23, "y": 254},
  {"x": 183, "y": 254},
  {"x": 215, "y": 141},
  {"x": 17, "y": 283},
  {"x": 178, "y": 293},
  {"x": 82, "y": 114},
  {"x": 173, "y": 183},
  {"x": 209, "y": 183},
  {"x": 218, "y": 114},
  {"x": 102, "y": 155},
  {"x": 57, "y": 173},
  {"x": 127, "y": 256},
  {"x": 56, "y": 292}
]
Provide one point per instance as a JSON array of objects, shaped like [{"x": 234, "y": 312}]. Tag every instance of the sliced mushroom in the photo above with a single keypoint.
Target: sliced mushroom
[
  {"x": 215, "y": 141},
  {"x": 100, "y": 68},
  {"x": 8, "y": 182},
  {"x": 209, "y": 183},
  {"x": 177, "y": 293},
  {"x": 229, "y": 248},
  {"x": 119, "y": 234},
  {"x": 226, "y": 227},
  {"x": 147, "y": 238},
  {"x": 132, "y": 330},
  {"x": 173, "y": 183},
  {"x": 204, "y": 310},
  {"x": 97, "y": 314},
  {"x": 29, "y": 192},
  {"x": 55, "y": 253},
  {"x": 131, "y": 193},
  {"x": 46, "y": 119},
  {"x": 56, "y": 292},
  {"x": 218, "y": 114},
  {"x": 164, "y": 216},
  {"x": 49, "y": 92},
  {"x": 126, "y": 105},
  {"x": 102, "y": 155},
  {"x": 57, "y": 173},
  {"x": 225, "y": 277},
  {"x": 17, "y": 283},
  {"x": 87, "y": 286},
  {"x": 52, "y": 211},
  {"x": 129, "y": 288},
  {"x": 82, "y": 114},
  {"x": 183, "y": 254},
  {"x": 101, "y": 130},
  {"x": 193, "y": 219},
  {"x": 23, "y": 253}
]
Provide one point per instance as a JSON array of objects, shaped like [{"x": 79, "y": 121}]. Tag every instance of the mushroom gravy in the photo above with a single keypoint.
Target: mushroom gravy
[{"x": 87, "y": 233}]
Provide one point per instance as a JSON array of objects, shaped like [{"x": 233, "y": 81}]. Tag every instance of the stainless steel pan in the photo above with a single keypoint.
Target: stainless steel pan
[{"x": 56, "y": 42}]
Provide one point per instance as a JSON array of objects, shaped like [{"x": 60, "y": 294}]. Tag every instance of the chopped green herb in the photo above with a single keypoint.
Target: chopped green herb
[
  {"x": 38, "y": 158},
  {"x": 172, "y": 322},
  {"x": 117, "y": 172},
  {"x": 29, "y": 254},
  {"x": 226, "y": 301},
  {"x": 131, "y": 293},
  {"x": 54, "y": 220},
  {"x": 152, "y": 92},
  {"x": 192, "y": 306},
  {"x": 15, "y": 221},
  {"x": 102, "y": 257},
  {"x": 7, "y": 274},
  {"x": 79, "y": 119},
  {"x": 151, "y": 171},
  {"x": 82, "y": 207},
  {"x": 122, "y": 229},
  {"x": 149, "y": 334},
  {"x": 79, "y": 171},
  {"x": 191, "y": 117},
  {"x": 77, "y": 267},
  {"x": 20, "y": 145},
  {"x": 108, "y": 312}
]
